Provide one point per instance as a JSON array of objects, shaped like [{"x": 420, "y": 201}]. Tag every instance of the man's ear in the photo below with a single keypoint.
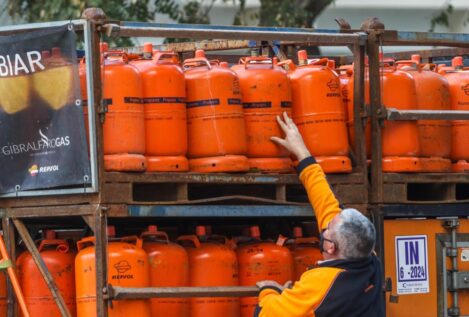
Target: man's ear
[{"x": 331, "y": 249}]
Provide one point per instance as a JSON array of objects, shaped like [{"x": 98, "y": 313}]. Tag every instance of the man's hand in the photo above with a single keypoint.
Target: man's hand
[
  {"x": 269, "y": 283},
  {"x": 293, "y": 141}
]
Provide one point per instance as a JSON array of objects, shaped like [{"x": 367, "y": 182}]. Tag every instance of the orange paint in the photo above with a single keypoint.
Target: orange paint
[
  {"x": 262, "y": 260},
  {"x": 432, "y": 94},
  {"x": 458, "y": 79},
  {"x": 318, "y": 109},
  {"x": 60, "y": 262},
  {"x": 127, "y": 267},
  {"x": 211, "y": 263},
  {"x": 305, "y": 252},
  {"x": 266, "y": 94},
  {"x": 169, "y": 267},
  {"x": 164, "y": 96},
  {"x": 214, "y": 112},
  {"x": 424, "y": 304}
]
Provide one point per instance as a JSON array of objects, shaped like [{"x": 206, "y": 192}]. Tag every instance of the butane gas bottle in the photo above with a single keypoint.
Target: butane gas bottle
[
  {"x": 266, "y": 94},
  {"x": 211, "y": 263},
  {"x": 169, "y": 267},
  {"x": 400, "y": 139},
  {"x": 458, "y": 79},
  {"x": 305, "y": 252},
  {"x": 123, "y": 129},
  {"x": 60, "y": 262},
  {"x": 432, "y": 94},
  {"x": 262, "y": 260},
  {"x": 127, "y": 267},
  {"x": 319, "y": 112},
  {"x": 216, "y": 131},
  {"x": 164, "y": 96}
]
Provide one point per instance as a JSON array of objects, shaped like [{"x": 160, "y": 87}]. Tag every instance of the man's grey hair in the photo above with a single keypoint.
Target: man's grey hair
[{"x": 354, "y": 234}]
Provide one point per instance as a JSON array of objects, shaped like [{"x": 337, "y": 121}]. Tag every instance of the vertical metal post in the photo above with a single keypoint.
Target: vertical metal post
[
  {"x": 28, "y": 241},
  {"x": 452, "y": 252},
  {"x": 9, "y": 237},
  {"x": 359, "y": 108},
  {"x": 101, "y": 262},
  {"x": 375, "y": 102}
]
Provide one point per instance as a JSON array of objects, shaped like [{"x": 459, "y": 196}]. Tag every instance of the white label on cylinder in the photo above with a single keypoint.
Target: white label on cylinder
[{"x": 465, "y": 255}]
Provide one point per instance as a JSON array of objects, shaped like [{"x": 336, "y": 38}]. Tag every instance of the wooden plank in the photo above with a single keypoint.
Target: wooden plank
[
  {"x": 119, "y": 293},
  {"x": 116, "y": 193},
  {"x": 28, "y": 241},
  {"x": 351, "y": 194},
  {"x": 51, "y": 211},
  {"x": 9, "y": 236},
  {"x": 426, "y": 177},
  {"x": 49, "y": 200}
]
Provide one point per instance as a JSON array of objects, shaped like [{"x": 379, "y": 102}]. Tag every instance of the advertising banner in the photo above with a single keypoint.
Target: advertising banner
[{"x": 42, "y": 133}]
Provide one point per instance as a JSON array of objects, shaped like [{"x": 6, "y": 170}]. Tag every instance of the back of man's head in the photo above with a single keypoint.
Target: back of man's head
[{"x": 355, "y": 235}]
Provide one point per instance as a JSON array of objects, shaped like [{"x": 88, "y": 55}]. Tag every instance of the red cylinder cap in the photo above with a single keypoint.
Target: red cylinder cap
[
  {"x": 457, "y": 61},
  {"x": 199, "y": 53},
  {"x": 152, "y": 228},
  {"x": 331, "y": 63},
  {"x": 148, "y": 47},
  {"x": 302, "y": 55},
  {"x": 45, "y": 54},
  {"x": 415, "y": 58},
  {"x": 56, "y": 52},
  {"x": 224, "y": 64},
  {"x": 111, "y": 231},
  {"x": 103, "y": 47},
  {"x": 297, "y": 232},
  {"x": 200, "y": 231},
  {"x": 50, "y": 235},
  {"x": 255, "y": 232}
]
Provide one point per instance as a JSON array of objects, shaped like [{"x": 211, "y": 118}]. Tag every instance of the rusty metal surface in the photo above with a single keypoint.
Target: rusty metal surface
[
  {"x": 394, "y": 114},
  {"x": 359, "y": 110},
  {"x": 101, "y": 261},
  {"x": 120, "y": 293},
  {"x": 425, "y": 38},
  {"x": 222, "y": 178},
  {"x": 257, "y": 34},
  {"x": 376, "y": 188}
]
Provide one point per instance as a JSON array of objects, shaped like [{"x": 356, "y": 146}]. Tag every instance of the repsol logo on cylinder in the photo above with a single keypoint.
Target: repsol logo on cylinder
[{"x": 122, "y": 277}]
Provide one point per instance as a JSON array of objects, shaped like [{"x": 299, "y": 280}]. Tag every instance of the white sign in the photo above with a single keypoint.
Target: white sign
[{"x": 412, "y": 265}]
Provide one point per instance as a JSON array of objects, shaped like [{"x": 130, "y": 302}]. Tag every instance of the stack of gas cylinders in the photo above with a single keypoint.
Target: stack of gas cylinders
[
  {"x": 152, "y": 260},
  {"x": 200, "y": 115},
  {"x": 423, "y": 145}
]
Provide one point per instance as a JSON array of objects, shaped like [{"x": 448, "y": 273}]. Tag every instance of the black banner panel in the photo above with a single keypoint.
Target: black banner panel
[{"x": 42, "y": 132}]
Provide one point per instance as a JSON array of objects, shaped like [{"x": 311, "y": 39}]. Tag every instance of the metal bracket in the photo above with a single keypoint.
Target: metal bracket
[
  {"x": 452, "y": 252},
  {"x": 458, "y": 280},
  {"x": 454, "y": 312},
  {"x": 451, "y": 224}
]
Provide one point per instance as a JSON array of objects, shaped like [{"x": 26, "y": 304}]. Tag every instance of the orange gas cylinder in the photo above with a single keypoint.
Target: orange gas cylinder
[
  {"x": 266, "y": 93},
  {"x": 305, "y": 252},
  {"x": 432, "y": 94},
  {"x": 3, "y": 295},
  {"x": 169, "y": 267},
  {"x": 123, "y": 129},
  {"x": 164, "y": 95},
  {"x": 217, "y": 137},
  {"x": 319, "y": 112},
  {"x": 262, "y": 260},
  {"x": 127, "y": 267},
  {"x": 60, "y": 262},
  {"x": 400, "y": 139},
  {"x": 211, "y": 263},
  {"x": 458, "y": 80}
]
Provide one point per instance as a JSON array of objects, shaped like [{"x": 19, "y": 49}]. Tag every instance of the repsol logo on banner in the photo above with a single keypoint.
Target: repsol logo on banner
[
  {"x": 43, "y": 143},
  {"x": 34, "y": 169}
]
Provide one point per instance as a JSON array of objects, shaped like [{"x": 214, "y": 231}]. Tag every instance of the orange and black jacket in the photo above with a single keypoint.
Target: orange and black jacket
[{"x": 336, "y": 288}]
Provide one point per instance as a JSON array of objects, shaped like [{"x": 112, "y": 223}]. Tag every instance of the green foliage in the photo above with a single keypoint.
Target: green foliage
[
  {"x": 293, "y": 13},
  {"x": 442, "y": 18}
]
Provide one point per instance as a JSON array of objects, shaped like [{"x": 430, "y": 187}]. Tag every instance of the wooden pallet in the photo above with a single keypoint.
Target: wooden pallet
[
  {"x": 426, "y": 188},
  {"x": 197, "y": 188}
]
